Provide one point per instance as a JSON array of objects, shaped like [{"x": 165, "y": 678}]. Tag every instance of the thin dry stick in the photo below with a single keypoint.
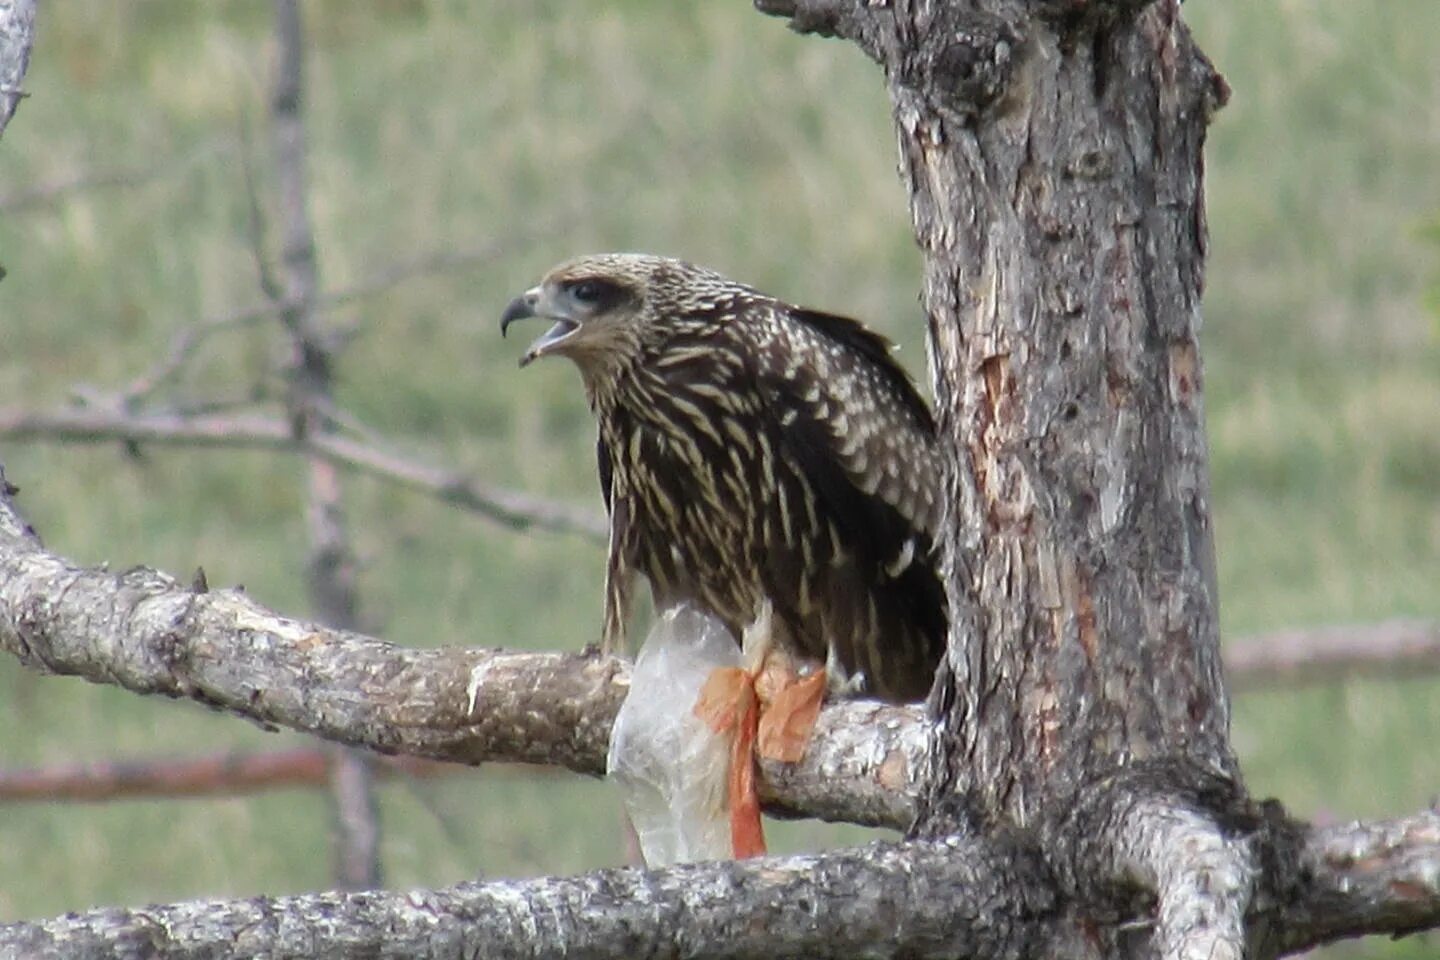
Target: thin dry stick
[
  {"x": 222, "y": 774},
  {"x": 508, "y": 508},
  {"x": 1389, "y": 650},
  {"x": 62, "y": 188},
  {"x": 332, "y": 575}
]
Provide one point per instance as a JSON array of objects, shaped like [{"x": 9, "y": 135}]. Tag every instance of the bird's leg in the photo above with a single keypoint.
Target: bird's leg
[
  {"x": 729, "y": 704},
  {"x": 768, "y": 707},
  {"x": 790, "y": 692},
  {"x": 619, "y": 577},
  {"x": 618, "y": 584},
  {"x": 840, "y": 684},
  {"x": 758, "y": 639}
]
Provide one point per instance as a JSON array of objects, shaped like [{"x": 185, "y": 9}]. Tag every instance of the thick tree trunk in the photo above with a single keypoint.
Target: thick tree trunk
[
  {"x": 1054, "y": 169},
  {"x": 1052, "y": 154}
]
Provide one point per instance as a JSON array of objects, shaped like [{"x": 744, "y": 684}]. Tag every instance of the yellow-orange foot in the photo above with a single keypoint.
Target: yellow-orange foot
[{"x": 768, "y": 712}]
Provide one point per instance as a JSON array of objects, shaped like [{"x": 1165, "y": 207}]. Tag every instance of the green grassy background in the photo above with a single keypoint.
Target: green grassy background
[{"x": 699, "y": 130}]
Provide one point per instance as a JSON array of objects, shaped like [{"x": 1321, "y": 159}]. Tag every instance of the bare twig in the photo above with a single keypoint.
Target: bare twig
[
  {"x": 508, "y": 508},
  {"x": 516, "y": 510},
  {"x": 332, "y": 574},
  {"x": 225, "y": 774},
  {"x": 188, "y": 339},
  {"x": 183, "y": 348},
  {"x": 1393, "y": 649}
]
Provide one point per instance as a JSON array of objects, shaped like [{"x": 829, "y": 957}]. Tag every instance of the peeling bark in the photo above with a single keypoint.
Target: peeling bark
[
  {"x": 938, "y": 900},
  {"x": 1052, "y": 152},
  {"x": 149, "y": 633}
]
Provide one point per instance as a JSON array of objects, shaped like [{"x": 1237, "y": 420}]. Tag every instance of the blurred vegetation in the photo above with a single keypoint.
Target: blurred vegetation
[{"x": 698, "y": 130}]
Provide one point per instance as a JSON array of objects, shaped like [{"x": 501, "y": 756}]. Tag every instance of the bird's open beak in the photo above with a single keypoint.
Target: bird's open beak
[{"x": 532, "y": 304}]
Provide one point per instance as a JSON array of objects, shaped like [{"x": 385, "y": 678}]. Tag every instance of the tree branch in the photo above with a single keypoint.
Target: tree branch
[
  {"x": 1394, "y": 649},
  {"x": 939, "y": 899},
  {"x": 513, "y": 510},
  {"x": 1203, "y": 879},
  {"x": 870, "y": 26},
  {"x": 955, "y": 897},
  {"x": 223, "y": 774},
  {"x": 60, "y": 188},
  {"x": 146, "y": 632},
  {"x": 1366, "y": 878},
  {"x": 17, "y": 33}
]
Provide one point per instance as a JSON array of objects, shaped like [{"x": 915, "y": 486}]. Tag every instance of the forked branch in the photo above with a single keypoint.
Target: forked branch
[{"x": 144, "y": 631}]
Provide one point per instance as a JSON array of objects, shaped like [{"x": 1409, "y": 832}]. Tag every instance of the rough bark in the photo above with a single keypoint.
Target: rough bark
[
  {"x": 975, "y": 897},
  {"x": 1052, "y": 152},
  {"x": 17, "y": 33},
  {"x": 943, "y": 900},
  {"x": 149, "y": 633},
  {"x": 1055, "y": 179}
]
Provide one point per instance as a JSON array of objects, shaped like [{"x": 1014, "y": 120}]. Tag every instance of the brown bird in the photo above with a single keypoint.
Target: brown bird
[{"x": 752, "y": 450}]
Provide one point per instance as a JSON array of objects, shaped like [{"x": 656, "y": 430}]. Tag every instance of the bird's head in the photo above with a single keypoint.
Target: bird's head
[{"x": 602, "y": 307}]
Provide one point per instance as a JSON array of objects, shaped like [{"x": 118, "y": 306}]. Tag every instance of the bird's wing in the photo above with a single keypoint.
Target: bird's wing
[
  {"x": 857, "y": 486},
  {"x": 854, "y": 421}
]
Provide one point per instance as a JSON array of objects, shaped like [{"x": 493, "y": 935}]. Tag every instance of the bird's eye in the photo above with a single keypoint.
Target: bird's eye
[{"x": 588, "y": 291}]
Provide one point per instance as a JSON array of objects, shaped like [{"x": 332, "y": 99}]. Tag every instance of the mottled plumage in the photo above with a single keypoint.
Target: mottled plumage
[{"x": 750, "y": 449}]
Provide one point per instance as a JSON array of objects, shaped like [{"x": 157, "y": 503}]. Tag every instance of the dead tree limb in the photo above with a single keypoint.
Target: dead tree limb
[
  {"x": 1393, "y": 649},
  {"x": 93, "y": 425},
  {"x": 224, "y": 774},
  {"x": 17, "y": 33},
  {"x": 151, "y": 634},
  {"x": 948, "y": 898},
  {"x": 942, "y": 899},
  {"x": 331, "y": 573}
]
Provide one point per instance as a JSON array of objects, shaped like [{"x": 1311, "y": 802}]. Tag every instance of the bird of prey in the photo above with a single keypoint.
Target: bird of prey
[{"x": 754, "y": 451}]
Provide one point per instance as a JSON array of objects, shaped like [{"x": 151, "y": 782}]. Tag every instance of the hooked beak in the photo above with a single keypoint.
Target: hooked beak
[{"x": 532, "y": 304}]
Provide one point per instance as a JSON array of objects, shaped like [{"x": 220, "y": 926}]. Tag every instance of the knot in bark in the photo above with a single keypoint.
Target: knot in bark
[{"x": 964, "y": 63}]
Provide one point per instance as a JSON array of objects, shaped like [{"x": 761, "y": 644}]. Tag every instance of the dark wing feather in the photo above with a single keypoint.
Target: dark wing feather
[
  {"x": 873, "y": 347},
  {"x": 848, "y": 425},
  {"x": 607, "y": 469}
]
